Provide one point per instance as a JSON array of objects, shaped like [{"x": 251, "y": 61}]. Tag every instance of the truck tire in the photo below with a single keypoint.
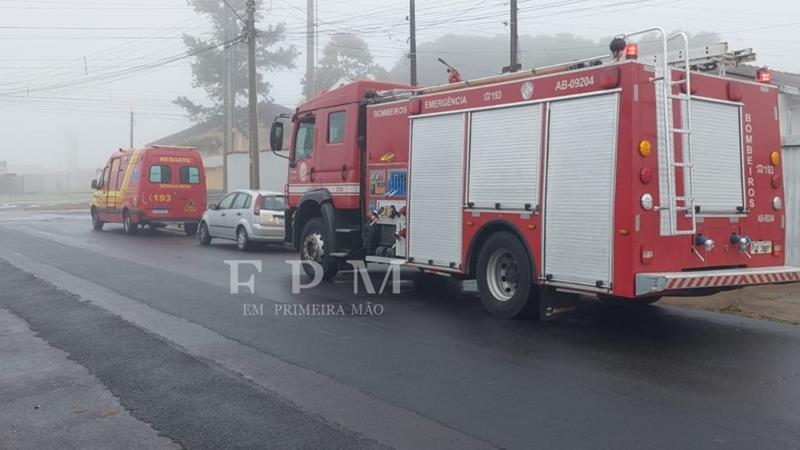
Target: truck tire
[
  {"x": 127, "y": 224},
  {"x": 97, "y": 224},
  {"x": 190, "y": 228},
  {"x": 504, "y": 277},
  {"x": 203, "y": 235},
  {"x": 313, "y": 241}
]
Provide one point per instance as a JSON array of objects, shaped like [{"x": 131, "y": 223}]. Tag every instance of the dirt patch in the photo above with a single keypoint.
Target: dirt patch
[{"x": 780, "y": 303}]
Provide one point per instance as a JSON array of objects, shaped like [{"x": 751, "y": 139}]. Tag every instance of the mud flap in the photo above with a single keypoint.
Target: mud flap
[{"x": 554, "y": 305}]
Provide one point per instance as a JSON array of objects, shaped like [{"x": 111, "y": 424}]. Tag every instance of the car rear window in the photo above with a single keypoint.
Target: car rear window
[
  {"x": 272, "y": 202},
  {"x": 190, "y": 175},
  {"x": 160, "y": 174}
]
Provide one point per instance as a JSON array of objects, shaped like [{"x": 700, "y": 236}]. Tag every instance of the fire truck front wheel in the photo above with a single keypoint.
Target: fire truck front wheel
[
  {"x": 314, "y": 246},
  {"x": 504, "y": 277}
]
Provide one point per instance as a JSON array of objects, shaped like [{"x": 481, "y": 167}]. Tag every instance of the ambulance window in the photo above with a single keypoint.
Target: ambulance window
[
  {"x": 116, "y": 178},
  {"x": 160, "y": 174},
  {"x": 190, "y": 175},
  {"x": 304, "y": 145},
  {"x": 336, "y": 124},
  {"x": 104, "y": 177}
]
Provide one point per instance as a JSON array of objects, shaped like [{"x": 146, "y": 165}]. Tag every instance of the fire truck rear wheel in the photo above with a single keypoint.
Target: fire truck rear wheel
[
  {"x": 313, "y": 247},
  {"x": 504, "y": 277}
]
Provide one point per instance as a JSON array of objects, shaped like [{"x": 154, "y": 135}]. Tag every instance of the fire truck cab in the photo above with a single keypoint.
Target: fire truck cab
[{"x": 609, "y": 177}]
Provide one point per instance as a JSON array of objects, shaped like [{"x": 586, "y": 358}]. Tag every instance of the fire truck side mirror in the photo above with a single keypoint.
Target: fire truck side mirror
[
  {"x": 276, "y": 136},
  {"x": 94, "y": 184}
]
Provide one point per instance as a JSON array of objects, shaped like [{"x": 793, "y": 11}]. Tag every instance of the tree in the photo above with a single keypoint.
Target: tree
[
  {"x": 345, "y": 56},
  {"x": 208, "y": 65}
]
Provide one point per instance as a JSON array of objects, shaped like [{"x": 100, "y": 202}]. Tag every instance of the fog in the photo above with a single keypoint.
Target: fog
[{"x": 64, "y": 84}]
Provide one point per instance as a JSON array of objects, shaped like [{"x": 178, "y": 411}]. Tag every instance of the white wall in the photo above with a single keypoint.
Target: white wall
[{"x": 273, "y": 171}]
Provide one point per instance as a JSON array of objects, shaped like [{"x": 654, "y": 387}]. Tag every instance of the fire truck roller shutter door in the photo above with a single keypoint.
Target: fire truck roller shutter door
[
  {"x": 717, "y": 156},
  {"x": 791, "y": 184},
  {"x": 579, "y": 201},
  {"x": 505, "y": 148},
  {"x": 436, "y": 187}
]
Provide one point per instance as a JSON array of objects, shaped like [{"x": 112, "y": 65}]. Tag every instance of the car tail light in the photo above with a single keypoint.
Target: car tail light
[
  {"x": 776, "y": 181},
  {"x": 257, "y": 207},
  {"x": 777, "y": 249},
  {"x": 647, "y": 255}
]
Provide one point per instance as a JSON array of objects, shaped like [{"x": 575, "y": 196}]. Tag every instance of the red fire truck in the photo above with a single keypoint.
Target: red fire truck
[{"x": 606, "y": 177}]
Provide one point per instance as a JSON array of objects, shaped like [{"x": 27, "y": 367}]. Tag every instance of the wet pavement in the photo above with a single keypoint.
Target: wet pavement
[{"x": 432, "y": 369}]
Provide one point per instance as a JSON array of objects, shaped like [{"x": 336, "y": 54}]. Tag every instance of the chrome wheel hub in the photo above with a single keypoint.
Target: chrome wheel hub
[
  {"x": 502, "y": 275},
  {"x": 313, "y": 247}
]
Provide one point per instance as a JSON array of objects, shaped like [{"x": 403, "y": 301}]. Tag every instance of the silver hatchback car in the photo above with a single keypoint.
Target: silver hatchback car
[{"x": 246, "y": 217}]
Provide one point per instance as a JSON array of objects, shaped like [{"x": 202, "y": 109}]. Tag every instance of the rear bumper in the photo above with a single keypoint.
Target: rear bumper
[{"x": 652, "y": 283}]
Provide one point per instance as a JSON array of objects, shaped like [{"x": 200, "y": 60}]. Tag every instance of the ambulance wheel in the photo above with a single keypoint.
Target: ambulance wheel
[
  {"x": 190, "y": 228},
  {"x": 505, "y": 277},
  {"x": 204, "y": 235},
  {"x": 313, "y": 242},
  {"x": 242, "y": 240},
  {"x": 127, "y": 224},
  {"x": 97, "y": 224}
]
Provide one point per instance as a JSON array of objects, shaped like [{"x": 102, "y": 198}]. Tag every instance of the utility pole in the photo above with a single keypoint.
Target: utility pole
[
  {"x": 255, "y": 181},
  {"x": 132, "y": 123},
  {"x": 311, "y": 81},
  {"x": 412, "y": 40},
  {"x": 514, "y": 60},
  {"x": 226, "y": 103}
]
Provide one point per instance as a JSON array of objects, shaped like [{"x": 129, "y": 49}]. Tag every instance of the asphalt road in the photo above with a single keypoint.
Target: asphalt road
[{"x": 152, "y": 318}]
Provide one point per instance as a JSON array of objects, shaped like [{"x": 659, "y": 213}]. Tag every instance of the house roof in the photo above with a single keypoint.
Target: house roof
[
  {"x": 190, "y": 136},
  {"x": 779, "y": 78}
]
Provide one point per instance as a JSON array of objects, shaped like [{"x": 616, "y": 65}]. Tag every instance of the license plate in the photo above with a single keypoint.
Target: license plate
[
  {"x": 161, "y": 211},
  {"x": 761, "y": 247}
]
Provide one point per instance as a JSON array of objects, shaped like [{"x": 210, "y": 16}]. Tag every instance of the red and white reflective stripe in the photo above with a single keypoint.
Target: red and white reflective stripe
[
  {"x": 700, "y": 281},
  {"x": 334, "y": 188}
]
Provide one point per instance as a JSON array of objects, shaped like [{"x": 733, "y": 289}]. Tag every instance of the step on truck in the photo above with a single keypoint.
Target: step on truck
[{"x": 608, "y": 177}]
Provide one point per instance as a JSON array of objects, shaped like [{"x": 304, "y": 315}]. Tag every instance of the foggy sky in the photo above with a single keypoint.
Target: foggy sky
[{"x": 35, "y": 128}]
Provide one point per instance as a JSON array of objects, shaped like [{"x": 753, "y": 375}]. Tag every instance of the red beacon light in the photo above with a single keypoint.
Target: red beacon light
[
  {"x": 632, "y": 51},
  {"x": 763, "y": 75}
]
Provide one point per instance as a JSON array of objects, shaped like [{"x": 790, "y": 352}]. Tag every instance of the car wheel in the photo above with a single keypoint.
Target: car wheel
[
  {"x": 313, "y": 247},
  {"x": 127, "y": 224},
  {"x": 242, "y": 240},
  {"x": 203, "y": 234},
  {"x": 97, "y": 224},
  {"x": 505, "y": 277},
  {"x": 190, "y": 228}
]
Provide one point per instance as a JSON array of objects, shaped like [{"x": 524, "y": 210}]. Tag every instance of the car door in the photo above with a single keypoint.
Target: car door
[
  {"x": 238, "y": 209},
  {"x": 101, "y": 194},
  {"x": 216, "y": 218}
]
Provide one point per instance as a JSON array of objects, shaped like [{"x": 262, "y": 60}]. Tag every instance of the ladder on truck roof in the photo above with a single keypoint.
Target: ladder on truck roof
[{"x": 671, "y": 204}]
